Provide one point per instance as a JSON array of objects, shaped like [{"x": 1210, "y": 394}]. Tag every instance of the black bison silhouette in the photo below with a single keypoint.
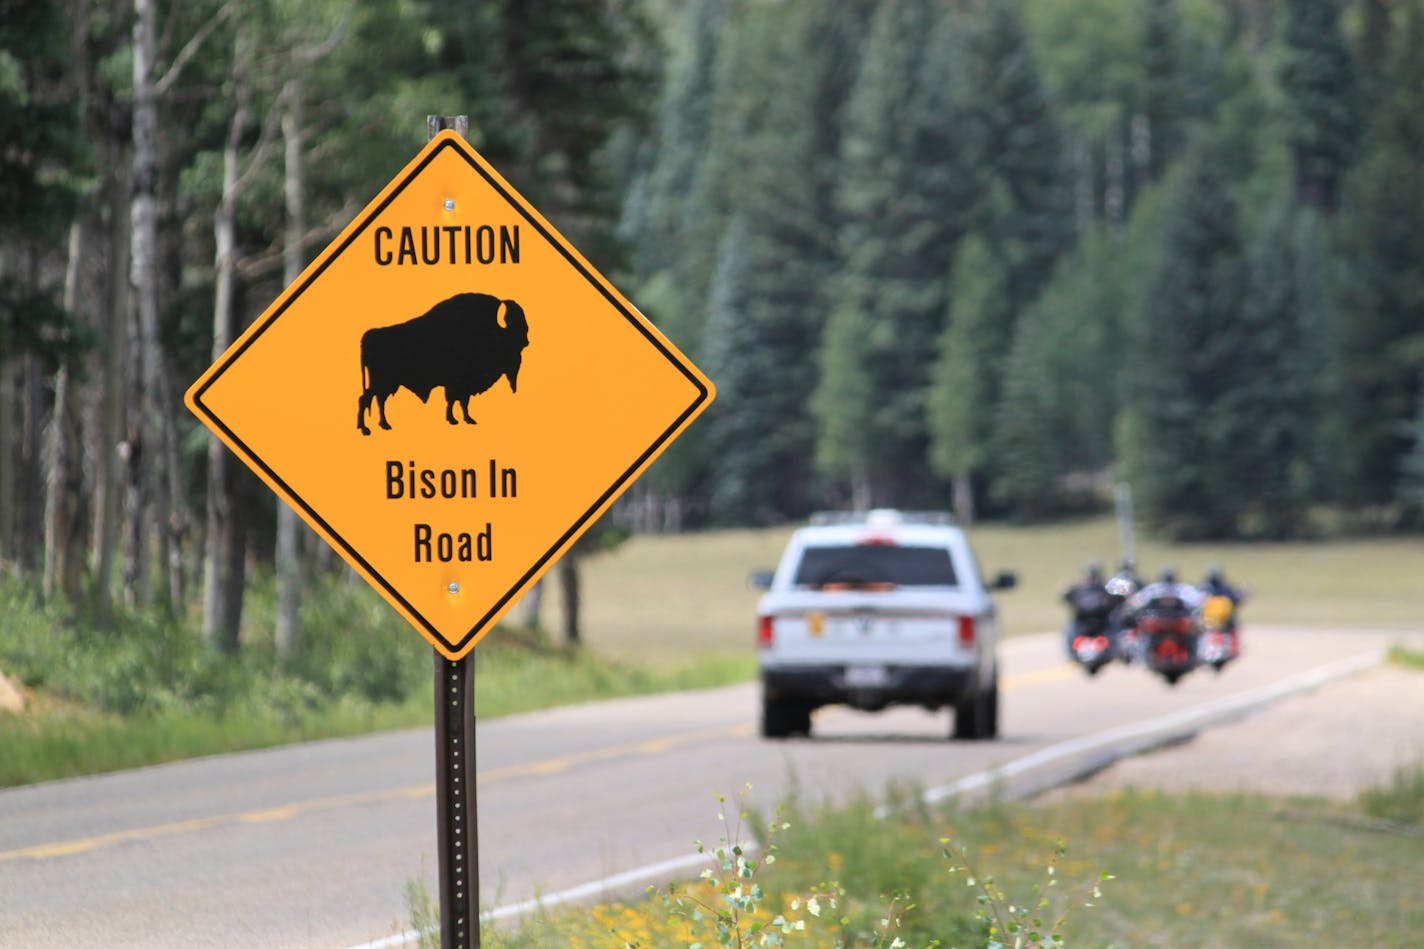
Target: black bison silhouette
[{"x": 464, "y": 344}]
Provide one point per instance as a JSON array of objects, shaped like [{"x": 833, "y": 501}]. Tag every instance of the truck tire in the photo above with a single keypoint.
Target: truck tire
[
  {"x": 781, "y": 718},
  {"x": 977, "y": 718}
]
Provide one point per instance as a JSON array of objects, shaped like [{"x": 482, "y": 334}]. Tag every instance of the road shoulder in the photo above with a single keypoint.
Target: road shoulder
[{"x": 1334, "y": 741}]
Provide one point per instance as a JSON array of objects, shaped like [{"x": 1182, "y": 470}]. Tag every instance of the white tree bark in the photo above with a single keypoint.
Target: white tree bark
[
  {"x": 144, "y": 449},
  {"x": 220, "y": 565},
  {"x": 288, "y": 560}
]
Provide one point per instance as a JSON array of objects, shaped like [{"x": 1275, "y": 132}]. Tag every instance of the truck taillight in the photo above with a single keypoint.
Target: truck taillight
[
  {"x": 764, "y": 632},
  {"x": 966, "y": 631}
]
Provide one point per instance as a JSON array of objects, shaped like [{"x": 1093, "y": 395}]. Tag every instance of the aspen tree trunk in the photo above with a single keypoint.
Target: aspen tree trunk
[
  {"x": 287, "y": 559},
  {"x": 56, "y": 552},
  {"x": 569, "y": 586},
  {"x": 1115, "y": 187},
  {"x": 111, "y": 407},
  {"x": 176, "y": 522},
  {"x": 964, "y": 498},
  {"x": 7, "y": 459},
  {"x": 861, "y": 493},
  {"x": 61, "y": 506},
  {"x": 224, "y": 563},
  {"x": 145, "y": 450},
  {"x": 1083, "y": 200},
  {"x": 530, "y": 605},
  {"x": 31, "y": 544}
]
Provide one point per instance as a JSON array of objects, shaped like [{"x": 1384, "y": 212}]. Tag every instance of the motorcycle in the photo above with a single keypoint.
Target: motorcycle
[
  {"x": 1090, "y": 640},
  {"x": 1169, "y": 638},
  {"x": 1220, "y": 639}
]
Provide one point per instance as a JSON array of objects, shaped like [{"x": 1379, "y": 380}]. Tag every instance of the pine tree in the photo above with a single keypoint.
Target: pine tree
[
  {"x": 1185, "y": 359},
  {"x": 1269, "y": 406},
  {"x": 1026, "y": 221},
  {"x": 1164, "y": 106},
  {"x": 1080, "y": 344},
  {"x": 778, "y": 179},
  {"x": 1024, "y": 423},
  {"x": 39, "y": 184},
  {"x": 973, "y": 350},
  {"x": 661, "y": 224},
  {"x": 736, "y": 356},
  {"x": 40, "y": 161},
  {"x": 1323, "y": 117},
  {"x": 1031, "y": 222},
  {"x": 1411, "y": 473},
  {"x": 1380, "y": 321},
  {"x": 656, "y": 214},
  {"x": 548, "y": 84},
  {"x": 904, "y": 187},
  {"x": 844, "y": 403}
]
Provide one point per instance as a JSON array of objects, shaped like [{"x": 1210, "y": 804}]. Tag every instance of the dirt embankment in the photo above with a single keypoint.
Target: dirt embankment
[{"x": 11, "y": 698}]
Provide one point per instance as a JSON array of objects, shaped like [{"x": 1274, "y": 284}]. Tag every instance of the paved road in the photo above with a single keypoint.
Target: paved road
[{"x": 311, "y": 846}]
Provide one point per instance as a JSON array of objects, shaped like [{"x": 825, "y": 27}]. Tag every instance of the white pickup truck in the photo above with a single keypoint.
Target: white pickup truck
[{"x": 877, "y": 609}]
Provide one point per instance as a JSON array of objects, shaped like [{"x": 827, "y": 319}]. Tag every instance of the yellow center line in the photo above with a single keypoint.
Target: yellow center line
[
  {"x": 651, "y": 746},
  {"x": 1039, "y": 676},
  {"x": 547, "y": 766},
  {"x": 85, "y": 844}
]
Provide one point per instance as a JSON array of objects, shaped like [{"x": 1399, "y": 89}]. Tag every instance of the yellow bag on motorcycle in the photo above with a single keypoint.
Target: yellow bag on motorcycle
[{"x": 1216, "y": 612}]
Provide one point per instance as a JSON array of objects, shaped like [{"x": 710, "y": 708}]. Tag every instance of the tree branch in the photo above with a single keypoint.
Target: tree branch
[
  {"x": 190, "y": 49},
  {"x": 258, "y": 265},
  {"x": 264, "y": 141}
]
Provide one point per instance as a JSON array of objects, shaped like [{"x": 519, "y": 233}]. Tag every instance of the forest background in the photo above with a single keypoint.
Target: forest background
[{"x": 989, "y": 255}]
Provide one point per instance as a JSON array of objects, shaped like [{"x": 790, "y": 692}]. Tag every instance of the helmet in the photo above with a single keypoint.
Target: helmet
[
  {"x": 1213, "y": 574},
  {"x": 1093, "y": 571},
  {"x": 1168, "y": 575}
]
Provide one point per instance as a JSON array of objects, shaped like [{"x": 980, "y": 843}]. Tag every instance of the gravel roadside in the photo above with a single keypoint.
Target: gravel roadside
[{"x": 1332, "y": 742}]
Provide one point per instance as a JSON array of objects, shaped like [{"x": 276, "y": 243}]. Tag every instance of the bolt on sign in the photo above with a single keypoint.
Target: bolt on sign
[{"x": 450, "y": 394}]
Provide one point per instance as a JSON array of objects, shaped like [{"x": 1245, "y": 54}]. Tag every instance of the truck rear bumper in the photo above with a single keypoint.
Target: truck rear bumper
[{"x": 870, "y": 687}]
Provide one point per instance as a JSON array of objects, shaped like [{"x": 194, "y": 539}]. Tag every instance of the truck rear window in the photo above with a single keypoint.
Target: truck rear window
[{"x": 875, "y": 564}]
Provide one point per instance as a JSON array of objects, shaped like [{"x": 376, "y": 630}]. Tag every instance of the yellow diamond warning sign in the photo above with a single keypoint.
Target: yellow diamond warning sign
[{"x": 450, "y": 394}]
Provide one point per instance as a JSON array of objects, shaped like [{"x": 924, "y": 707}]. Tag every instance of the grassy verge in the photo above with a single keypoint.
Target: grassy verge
[
  {"x": 149, "y": 692},
  {"x": 1187, "y": 870},
  {"x": 59, "y": 738}
]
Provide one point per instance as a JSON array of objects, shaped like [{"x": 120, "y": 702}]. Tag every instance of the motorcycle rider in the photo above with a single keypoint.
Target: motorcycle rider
[
  {"x": 1222, "y": 617},
  {"x": 1120, "y": 587},
  {"x": 1091, "y": 603},
  {"x": 1125, "y": 582},
  {"x": 1215, "y": 585}
]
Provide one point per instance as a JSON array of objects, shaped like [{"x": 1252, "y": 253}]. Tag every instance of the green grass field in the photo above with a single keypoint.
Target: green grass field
[{"x": 659, "y": 598}]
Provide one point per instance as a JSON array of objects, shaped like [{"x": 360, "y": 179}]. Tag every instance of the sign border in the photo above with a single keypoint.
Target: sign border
[{"x": 447, "y": 140}]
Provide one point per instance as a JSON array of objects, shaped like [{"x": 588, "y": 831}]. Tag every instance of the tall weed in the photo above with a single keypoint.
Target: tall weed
[{"x": 1401, "y": 800}]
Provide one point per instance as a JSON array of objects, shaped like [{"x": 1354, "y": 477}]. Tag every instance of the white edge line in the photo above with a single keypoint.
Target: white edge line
[{"x": 1160, "y": 729}]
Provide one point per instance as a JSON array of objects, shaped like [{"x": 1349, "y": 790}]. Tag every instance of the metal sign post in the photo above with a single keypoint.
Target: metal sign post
[
  {"x": 455, "y": 813},
  {"x": 456, "y": 818}
]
